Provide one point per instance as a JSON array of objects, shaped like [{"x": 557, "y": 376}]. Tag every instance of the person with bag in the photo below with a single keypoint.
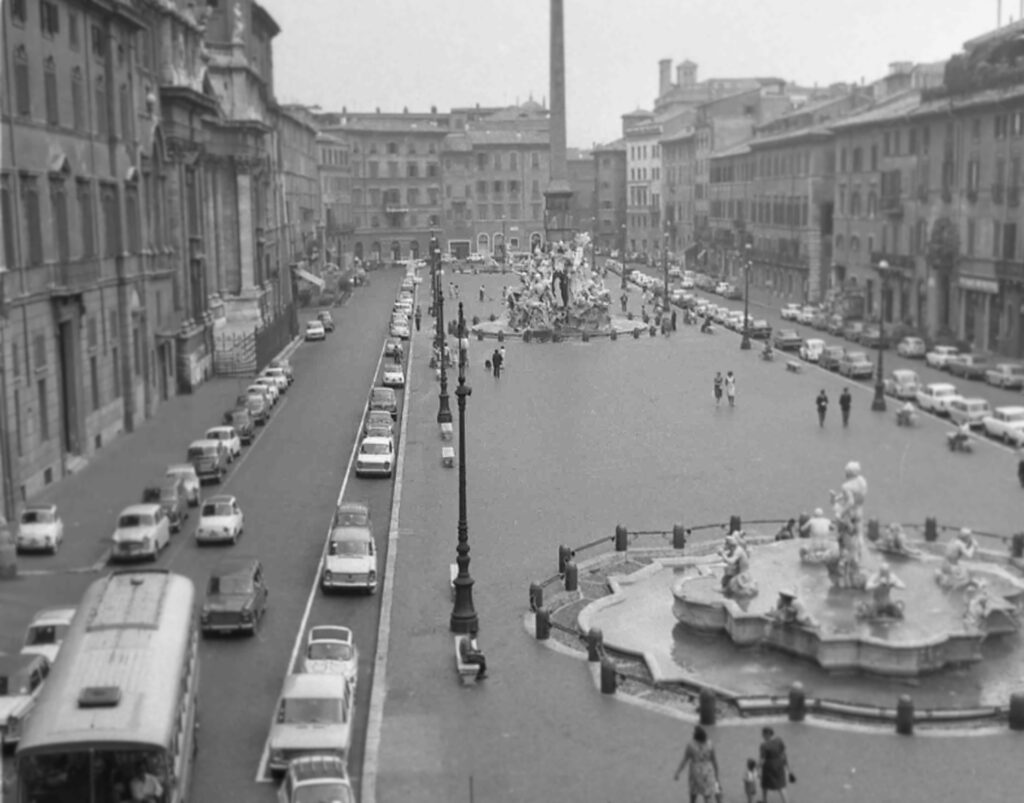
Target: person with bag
[
  {"x": 700, "y": 756},
  {"x": 775, "y": 771}
]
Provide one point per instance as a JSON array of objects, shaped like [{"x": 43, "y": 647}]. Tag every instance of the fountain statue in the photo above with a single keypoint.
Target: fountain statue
[
  {"x": 881, "y": 605},
  {"x": 844, "y": 564},
  {"x": 952, "y": 574},
  {"x": 893, "y": 540},
  {"x": 790, "y": 610},
  {"x": 736, "y": 579}
]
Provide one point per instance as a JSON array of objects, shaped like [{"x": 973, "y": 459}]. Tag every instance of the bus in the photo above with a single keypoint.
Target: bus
[{"x": 120, "y": 701}]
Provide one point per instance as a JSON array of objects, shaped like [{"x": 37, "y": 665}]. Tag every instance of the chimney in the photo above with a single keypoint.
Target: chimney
[
  {"x": 664, "y": 76},
  {"x": 433, "y": 109},
  {"x": 686, "y": 74}
]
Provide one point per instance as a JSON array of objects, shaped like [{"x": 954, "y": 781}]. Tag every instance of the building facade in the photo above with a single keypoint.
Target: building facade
[
  {"x": 610, "y": 170},
  {"x": 642, "y": 135},
  {"x": 678, "y": 156},
  {"x": 303, "y": 228},
  {"x": 583, "y": 180},
  {"x": 336, "y": 195}
]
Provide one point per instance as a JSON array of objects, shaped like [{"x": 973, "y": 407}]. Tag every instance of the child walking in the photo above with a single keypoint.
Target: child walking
[
  {"x": 718, "y": 388},
  {"x": 750, "y": 780}
]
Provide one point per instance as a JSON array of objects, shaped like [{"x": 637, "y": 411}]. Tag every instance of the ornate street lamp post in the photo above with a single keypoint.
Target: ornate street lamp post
[
  {"x": 463, "y": 618},
  {"x": 664, "y": 266},
  {"x": 878, "y": 403},
  {"x": 444, "y": 412},
  {"x": 745, "y": 342},
  {"x": 622, "y": 257}
]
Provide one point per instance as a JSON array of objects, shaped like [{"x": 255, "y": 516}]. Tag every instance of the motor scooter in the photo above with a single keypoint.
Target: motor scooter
[
  {"x": 706, "y": 328},
  {"x": 906, "y": 418},
  {"x": 958, "y": 442},
  {"x": 768, "y": 355}
]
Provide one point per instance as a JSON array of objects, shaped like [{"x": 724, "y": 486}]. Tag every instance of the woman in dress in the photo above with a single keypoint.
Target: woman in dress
[
  {"x": 774, "y": 765},
  {"x": 700, "y": 755}
]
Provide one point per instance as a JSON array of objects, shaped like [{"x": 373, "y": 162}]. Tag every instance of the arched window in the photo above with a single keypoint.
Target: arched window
[
  {"x": 78, "y": 99},
  {"x": 872, "y": 203},
  {"x": 102, "y": 118},
  {"x": 358, "y": 251},
  {"x": 855, "y": 244},
  {"x": 50, "y": 91},
  {"x": 414, "y": 249},
  {"x": 375, "y": 251},
  {"x": 396, "y": 251},
  {"x": 483, "y": 243},
  {"x": 839, "y": 242},
  {"x": 22, "y": 89},
  {"x": 392, "y": 148},
  {"x": 855, "y": 203}
]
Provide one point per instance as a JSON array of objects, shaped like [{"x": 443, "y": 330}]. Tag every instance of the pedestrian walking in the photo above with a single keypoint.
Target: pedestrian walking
[
  {"x": 501, "y": 354},
  {"x": 496, "y": 363},
  {"x": 417, "y": 317},
  {"x": 730, "y": 388},
  {"x": 845, "y": 400},
  {"x": 775, "y": 771},
  {"x": 700, "y": 756},
  {"x": 464, "y": 350},
  {"x": 750, "y": 780},
  {"x": 718, "y": 382},
  {"x": 822, "y": 404},
  {"x": 451, "y": 289},
  {"x": 624, "y": 299},
  {"x": 481, "y": 294},
  {"x": 673, "y": 320}
]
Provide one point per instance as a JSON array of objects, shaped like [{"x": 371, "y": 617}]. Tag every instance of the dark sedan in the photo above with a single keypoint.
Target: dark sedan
[
  {"x": 787, "y": 340},
  {"x": 830, "y": 357},
  {"x": 759, "y": 329},
  {"x": 236, "y": 597},
  {"x": 873, "y": 338},
  {"x": 969, "y": 366}
]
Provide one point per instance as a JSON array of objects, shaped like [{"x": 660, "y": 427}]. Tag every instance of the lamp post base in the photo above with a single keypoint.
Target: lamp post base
[
  {"x": 745, "y": 343},
  {"x": 878, "y": 403},
  {"x": 444, "y": 411}
]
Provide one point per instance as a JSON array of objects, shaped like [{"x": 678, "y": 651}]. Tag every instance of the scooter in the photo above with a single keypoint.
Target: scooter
[
  {"x": 768, "y": 355},
  {"x": 906, "y": 418},
  {"x": 958, "y": 443}
]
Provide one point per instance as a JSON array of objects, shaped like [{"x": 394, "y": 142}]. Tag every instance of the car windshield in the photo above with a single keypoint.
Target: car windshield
[
  {"x": 324, "y": 792},
  {"x": 352, "y": 518},
  {"x": 135, "y": 520},
  {"x": 787, "y": 333},
  {"x": 231, "y": 584},
  {"x": 382, "y": 396},
  {"x": 44, "y": 634},
  {"x": 169, "y": 493},
  {"x": 37, "y": 517},
  {"x": 350, "y": 547},
  {"x": 1016, "y": 415},
  {"x": 16, "y": 684},
  {"x": 218, "y": 509},
  {"x": 375, "y": 448},
  {"x": 330, "y": 651},
  {"x": 944, "y": 392},
  {"x": 311, "y": 710},
  {"x": 857, "y": 356},
  {"x": 201, "y": 451}
]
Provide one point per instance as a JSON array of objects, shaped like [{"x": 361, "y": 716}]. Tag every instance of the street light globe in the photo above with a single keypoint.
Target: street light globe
[{"x": 883, "y": 265}]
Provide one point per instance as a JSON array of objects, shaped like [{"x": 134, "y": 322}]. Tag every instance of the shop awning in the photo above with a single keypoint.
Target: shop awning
[{"x": 312, "y": 278}]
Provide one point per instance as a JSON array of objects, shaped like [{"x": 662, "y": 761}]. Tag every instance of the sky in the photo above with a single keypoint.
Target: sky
[{"x": 394, "y": 54}]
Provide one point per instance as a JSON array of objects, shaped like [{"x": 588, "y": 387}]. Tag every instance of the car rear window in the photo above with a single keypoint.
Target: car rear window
[{"x": 134, "y": 520}]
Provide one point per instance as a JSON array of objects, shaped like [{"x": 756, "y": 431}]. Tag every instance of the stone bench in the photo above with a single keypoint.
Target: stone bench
[
  {"x": 453, "y": 572},
  {"x": 448, "y": 456},
  {"x": 794, "y": 366},
  {"x": 446, "y": 431},
  {"x": 467, "y": 672}
]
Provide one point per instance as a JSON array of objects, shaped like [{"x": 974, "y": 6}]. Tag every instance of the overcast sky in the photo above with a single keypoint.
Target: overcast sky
[{"x": 444, "y": 53}]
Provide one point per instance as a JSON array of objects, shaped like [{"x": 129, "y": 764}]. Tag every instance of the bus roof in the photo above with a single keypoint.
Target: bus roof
[{"x": 118, "y": 679}]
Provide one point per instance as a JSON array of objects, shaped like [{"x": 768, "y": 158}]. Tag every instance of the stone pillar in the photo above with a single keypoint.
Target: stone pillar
[
  {"x": 559, "y": 192},
  {"x": 246, "y": 253}
]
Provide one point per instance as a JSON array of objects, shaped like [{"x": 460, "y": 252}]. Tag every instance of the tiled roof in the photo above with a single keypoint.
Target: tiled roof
[
  {"x": 813, "y": 131},
  {"x": 508, "y": 137},
  {"x": 982, "y": 98},
  {"x": 892, "y": 108}
]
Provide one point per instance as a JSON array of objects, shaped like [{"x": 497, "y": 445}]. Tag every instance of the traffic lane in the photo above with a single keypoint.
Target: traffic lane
[
  {"x": 288, "y": 491},
  {"x": 572, "y": 440}
]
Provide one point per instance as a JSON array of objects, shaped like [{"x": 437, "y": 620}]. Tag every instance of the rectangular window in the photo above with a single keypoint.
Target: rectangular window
[
  {"x": 50, "y": 92},
  {"x": 973, "y": 176},
  {"x": 19, "y": 11},
  {"x": 125, "y": 104},
  {"x": 77, "y": 100},
  {"x": 912, "y": 146},
  {"x": 111, "y": 221},
  {"x": 33, "y": 219},
  {"x": 874, "y": 158},
  {"x": 73, "y": 40},
  {"x": 49, "y": 19},
  {"x": 44, "y": 411},
  {"x": 85, "y": 219},
  {"x": 7, "y": 216},
  {"x": 134, "y": 223},
  {"x": 136, "y": 352},
  {"x": 98, "y": 43},
  {"x": 94, "y": 380},
  {"x": 102, "y": 119},
  {"x": 59, "y": 207},
  {"x": 997, "y": 238},
  {"x": 1010, "y": 241},
  {"x": 972, "y": 233},
  {"x": 22, "y": 87},
  {"x": 17, "y": 421},
  {"x": 115, "y": 364}
]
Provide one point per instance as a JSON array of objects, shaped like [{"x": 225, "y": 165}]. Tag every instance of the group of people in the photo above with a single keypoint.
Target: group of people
[
  {"x": 724, "y": 384},
  {"x": 845, "y": 403},
  {"x": 769, "y": 772}
]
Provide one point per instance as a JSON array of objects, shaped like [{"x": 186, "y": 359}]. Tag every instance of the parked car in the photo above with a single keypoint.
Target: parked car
[
  {"x": 278, "y": 371},
  {"x": 940, "y": 356},
  {"x": 142, "y": 532},
  {"x": 257, "y": 406},
  {"x": 1006, "y": 375},
  {"x": 787, "y": 340},
  {"x": 170, "y": 494},
  {"x": 267, "y": 386},
  {"x": 228, "y": 436},
  {"x": 902, "y": 383},
  {"x": 40, "y": 529},
  {"x": 400, "y": 329},
  {"x": 873, "y": 338},
  {"x": 836, "y": 325},
  {"x": 46, "y": 632},
  {"x": 1005, "y": 424},
  {"x": 325, "y": 317},
  {"x": 972, "y": 411},
  {"x": 806, "y": 315},
  {"x": 315, "y": 331},
  {"x": 376, "y": 457},
  {"x": 351, "y": 560},
  {"x": 811, "y": 349},
  {"x": 276, "y": 376},
  {"x": 331, "y": 650},
  {"x": 286, "y": 366},
  {"x": 220, "y": 521},
  {"x": 392, "y": 347},
  {"x": 969, "y": 366},
  {"x": 852, "y": 330},
  {"x": 314, "y": 716},
  {"x": 935, "y": 397},
  {"x": 236, "y": 597},
  {"x": 190, "y": 480},
  {"x": 732, "y": 292},
  {"x": 856, "y": 365},
  {"x": 210, "y": 459},
  {"x": 384, "y": 399},
  {"x": 378, "y": 419},
  {"x": 911, "y": 347},
  {"x": 243, "y": 424},
  {"x": 830, "y": 357},
  {"x": 820, "y": 320},
  {"x": 392, "y": 375},
  {"x": 759, "y": 329},
  {"x": 21, "y": 678},
  {"x": 316, "y": 777},
  {"x": 789, "y": 312}
]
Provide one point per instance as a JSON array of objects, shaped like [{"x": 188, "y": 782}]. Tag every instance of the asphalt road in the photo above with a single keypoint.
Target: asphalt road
[
  {"x": 577, "y": 437},
  {"x": 288, "y": 484}
]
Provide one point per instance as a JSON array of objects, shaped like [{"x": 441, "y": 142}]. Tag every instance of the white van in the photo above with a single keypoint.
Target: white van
[{"x": 973, "y": 411}]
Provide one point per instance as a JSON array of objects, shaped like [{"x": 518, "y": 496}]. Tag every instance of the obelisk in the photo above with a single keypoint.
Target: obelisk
[{"x": 558, "y": 194}]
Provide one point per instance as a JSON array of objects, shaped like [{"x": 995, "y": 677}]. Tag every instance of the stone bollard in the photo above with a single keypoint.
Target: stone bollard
[
  {"x": 609, "y": 680},
  {"x": 678, "y": 536},
  {"x": 706, "y": 705},
  {"x": 564, "y": 556},
  {"x": 595, "y": 644},
  {"x": 653, "y": 331},
  {"x": 874, "y": 531},
  {"x": 800, "y": 522},
  {"x": 905, "y": 715},
  {"x": 501, "y": 335},
  {"x": 614, "y": 335},
  {"x": 542, "y": 624},
  {"x": 8, "y": 551},
  {"x": 1017, "y": 711},
  {"x": 735, "y": 524},
  {"x": 479, "y": 336},
  {"x": 571, "y": 576},
  {"x": 636, "y": 334},
  {"x": 527, "y": 336},
  {"x": 1017, "y": 545},
  {"x": 621, "y": 538},
  {"x": 931, "y": 529},
  {"x": 536, "y": 596},
  {"x": 586, "y": 337},
  {"x": 797, "y": 702}
]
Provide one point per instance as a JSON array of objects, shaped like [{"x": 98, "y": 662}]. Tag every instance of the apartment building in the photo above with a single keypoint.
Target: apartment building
[{"x": 610, "y": 169}]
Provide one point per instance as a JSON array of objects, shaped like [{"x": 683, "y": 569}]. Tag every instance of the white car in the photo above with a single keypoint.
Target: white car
[
  {"x": 316, "y": 777},
  {"x": 789, "y": 312},
  {"x": 972, "y": 412},
  {"x": 270, "y": 384},
  {"x": 142, "y": 531},
  {"x": 351, "y": 560},
  {"x": 220, "y": 521},
  {"x": 400, "y": 329},
  {"x": 806, "y": 315},
  {"x": 229, "y": 437},
  {"x": 393, "y": 376},
  {"x": 911, "y": 347},
  {"x": 376, "y": 457},
  {"x": 940, "y": 356},
  {"x": 1006, "y": 375},
  {"x": 315, "y": 331},
  {"x": 187, "y": 473},
  {"x": 21, "y": 678},
  {"x": 1006, "y": 424},
  {"x": 283, "y": 365},
  {"x": 935, "y": 397},
  {"x": 331, "y": 650},
  {"x": 46, "y": 631},
  {"x": 39, "y": 529},
  {"x": 811, "y": 349},
  {"x": 278, "y": 376},
  {"x": 314, "y": 715}
]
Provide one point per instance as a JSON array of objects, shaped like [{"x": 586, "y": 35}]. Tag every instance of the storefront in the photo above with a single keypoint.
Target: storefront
[{"x": 979, "y": 315}]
